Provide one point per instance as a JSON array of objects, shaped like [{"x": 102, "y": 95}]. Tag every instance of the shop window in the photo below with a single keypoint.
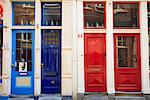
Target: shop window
[
  {"x": 23, "y": 13},
  {"x": 126, "y": 51},
  {"x": 94, "y": 15},
  {"x": 1, "y": 43},
  {"x": 148, "y": 6},
  {"x": 51, "y": 14},
  {"x": 149, "y": 46},
  {"x": 126, "y": 15}
]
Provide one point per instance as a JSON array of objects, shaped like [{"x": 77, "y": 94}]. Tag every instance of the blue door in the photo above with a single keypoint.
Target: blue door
[
  {"x": 22, "y": 62},
  {"x": 51, "y": 61}
]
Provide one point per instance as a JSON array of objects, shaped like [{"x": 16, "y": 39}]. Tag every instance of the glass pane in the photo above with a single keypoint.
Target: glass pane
[
  {"x": 1, "y": 43},
  {"x": 148, "y": 14},
  {"x": 24, "y": 50},
  {"x": 149, "y": 47},
  {"x": 94, "y": 15},
  {"x": 126, "y": 51},
  {"x": 51, "y": 14},
  {"x": 126, "y": 15},
  {"x": 51, "y": 37},
  {"x": 24, "y": 13}
]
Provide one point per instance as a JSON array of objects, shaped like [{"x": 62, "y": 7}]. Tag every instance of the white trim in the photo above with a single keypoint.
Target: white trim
[
  {"x": 126, "y": 30},
  {"x": 51, "y": 27},
  {"x": 144, "y": 47},
  {"x": 94, "y": 30},
  {"x": 22, "y": 27},
  {"x": 37, "y": 50},
  {"x": 81, "y": 87},
  {"x": 109, "y": 49}
]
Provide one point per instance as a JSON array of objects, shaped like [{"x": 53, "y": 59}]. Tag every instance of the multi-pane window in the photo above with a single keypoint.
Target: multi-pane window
[
  {"x": 23, "y": 13},
  {"x": 24, "y": 49},
  {"x": 51, "y": 14},
  {"x": 126, "y": 51},
  {"x": 126, "y": 15},
  {"x": 94, "y": 15}
]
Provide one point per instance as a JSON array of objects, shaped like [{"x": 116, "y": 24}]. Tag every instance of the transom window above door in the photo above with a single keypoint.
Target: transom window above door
[
  {"x": 23, "y": 13},
  {"x": 126, "y": 15},
  {"x": 94, "y": 15},
  {"x": 51, "y": 14}
]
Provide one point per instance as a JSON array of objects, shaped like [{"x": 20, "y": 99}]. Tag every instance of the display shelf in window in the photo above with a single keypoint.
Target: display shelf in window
[
  {"x": 51, "y": 14},
  {"x": 23, "y": 13},
  {"x": 126, "y": 15},
  {"x": 94, "y": 15}
]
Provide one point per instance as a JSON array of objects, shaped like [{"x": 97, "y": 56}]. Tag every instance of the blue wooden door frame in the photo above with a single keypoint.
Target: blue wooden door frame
[
  {"x": 51, "y": 58},
  {"x": 21, "y": 90}
]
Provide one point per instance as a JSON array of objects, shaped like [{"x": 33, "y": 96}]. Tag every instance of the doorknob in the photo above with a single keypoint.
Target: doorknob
[
  {"x": 42, "y": 65},
  {"x": 12, "y": 65}
]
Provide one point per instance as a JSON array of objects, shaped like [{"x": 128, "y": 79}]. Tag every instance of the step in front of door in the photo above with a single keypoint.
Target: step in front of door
[
  {"x": 20, "y": 99},
  {"x": 95, "y": 97},
  {"x": 128, "y": 98},
  {"x": 50, "y": 98}
]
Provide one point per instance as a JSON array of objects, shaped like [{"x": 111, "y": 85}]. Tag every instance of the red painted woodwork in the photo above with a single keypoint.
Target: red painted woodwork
[
  {"x": 1, "y": 11},
  {"x": 128, "y": 79},
  {"x": 95, "y": 62}
]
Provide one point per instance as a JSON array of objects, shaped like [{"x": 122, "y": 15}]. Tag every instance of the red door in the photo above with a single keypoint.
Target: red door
[
  {"x": 127, "y": 62},
  {"x": 95, "y": 62}
]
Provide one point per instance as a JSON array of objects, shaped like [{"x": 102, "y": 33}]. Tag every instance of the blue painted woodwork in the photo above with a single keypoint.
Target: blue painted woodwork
[
  {"x": 19, "y": 45},
  {"x": 51, "y": 60}
]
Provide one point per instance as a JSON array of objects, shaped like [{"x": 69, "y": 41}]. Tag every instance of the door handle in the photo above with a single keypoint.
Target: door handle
[
  {"x": 12, "y": 65},
  {"x": 42, "y": 65}
]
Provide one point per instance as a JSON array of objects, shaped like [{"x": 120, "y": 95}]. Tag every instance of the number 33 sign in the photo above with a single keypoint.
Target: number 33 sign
[{"x": 1, "y": 11}]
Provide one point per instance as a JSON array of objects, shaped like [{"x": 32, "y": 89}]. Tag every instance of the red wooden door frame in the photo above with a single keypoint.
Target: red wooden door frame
[
  {"x": 102, "y": 85},
  {"x": 137, "y": 69}
]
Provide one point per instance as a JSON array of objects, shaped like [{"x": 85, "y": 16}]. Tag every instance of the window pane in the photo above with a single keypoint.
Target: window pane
[
  {"x": 94, "y": 15},
  {"x": 149, "y": 47},
  {"x": 51, "y": 14},
  {"x": 126, "y": 51},
  {"x": 1, "y": 43},
  {"x": 24, "y": 13},
  {"x": 148, "y": 15},
  {"x": 24, "y": 50},
  {"x": 126, "y": 15}
]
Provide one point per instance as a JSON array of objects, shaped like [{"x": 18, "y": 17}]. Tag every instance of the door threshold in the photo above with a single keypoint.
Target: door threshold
[
  {"x": 96, "y": 93},
  {"x": 128, "y": 93},
  {"x": 121, "y": 92},
  {"x": 55, "y": 95},
  {"x": 21, "y": 96}
]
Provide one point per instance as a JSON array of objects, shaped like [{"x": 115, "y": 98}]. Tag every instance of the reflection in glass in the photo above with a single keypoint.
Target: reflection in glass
[
  {"x": 51, "y": 14},
  {"x": 51, "y": 37},
  {"x": 94, "y": 15},
  {"x": 24, "y": 49},
  {"x": 1, "y": 43},
  {"x": 149, "y": 47},
  {"x": 126, "y": 51},
  {"x": 126, "y": 15},
  {"x": 148, "y": 6},
  {"x": 24, "y": 13}
]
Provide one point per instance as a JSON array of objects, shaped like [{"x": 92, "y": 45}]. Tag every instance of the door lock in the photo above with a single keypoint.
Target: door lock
[{"x": 42, "y": 65}]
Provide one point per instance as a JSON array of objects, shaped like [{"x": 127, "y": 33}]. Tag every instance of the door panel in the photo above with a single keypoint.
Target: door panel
[
  {"x": 127, "y": 62},
  {"x": 95, "y": 62},
  {"x": 22, "y": 62},
  {"x": 51, "y": 61}
]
